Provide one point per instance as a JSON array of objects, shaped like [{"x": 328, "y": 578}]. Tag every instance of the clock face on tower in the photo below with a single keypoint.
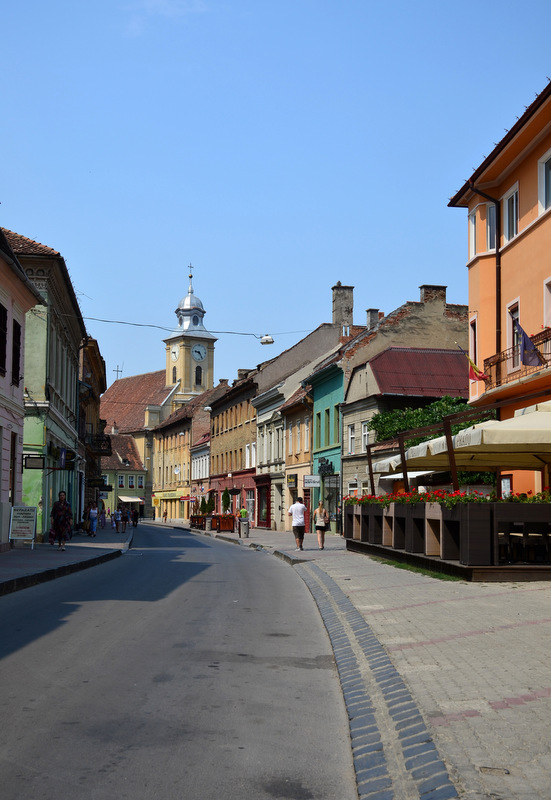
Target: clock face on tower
[
  {"x": 174, "y": 352},
  {"x": 199, "y": 352}
]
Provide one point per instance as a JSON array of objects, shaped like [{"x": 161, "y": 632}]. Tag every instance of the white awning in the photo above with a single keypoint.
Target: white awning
[
  {"x": 124, "y": 499},
  {"x": 399, "y": 476}
]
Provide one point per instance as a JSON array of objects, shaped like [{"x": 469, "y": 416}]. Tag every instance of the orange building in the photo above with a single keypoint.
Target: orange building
[{"x": 508, "y": 198}]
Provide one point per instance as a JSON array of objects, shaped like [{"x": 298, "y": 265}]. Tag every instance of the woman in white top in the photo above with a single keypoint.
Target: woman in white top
[{"x": 321, "y": 520}]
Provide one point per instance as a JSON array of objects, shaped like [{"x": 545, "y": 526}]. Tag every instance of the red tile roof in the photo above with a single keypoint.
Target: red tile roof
[
  {"x": 123, "y": 404},
  {"x": 419, "y": 372},
  {"x": 28, "y": 247},
  {"x": 123, "y": 448},
  {"x": 187, "y": 411}
]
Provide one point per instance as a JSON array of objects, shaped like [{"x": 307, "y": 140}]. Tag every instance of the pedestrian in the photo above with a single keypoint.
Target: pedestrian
[
  {"x": 113, "y": 519},
  {"x": 243, "y": 513},
  {"x": 62, "y": 520},
  {"x": 321, "y": 520},
  {"x": 297, "y": 511},
  {"x": 102, "y": 516},
  {"x": 135, "y": 516},
  {"x": 93, "y": 517},
  {"x": 118, "y": 518},
  {"x": 165, "y": 515},
  {"x": 124, "y": 519}
]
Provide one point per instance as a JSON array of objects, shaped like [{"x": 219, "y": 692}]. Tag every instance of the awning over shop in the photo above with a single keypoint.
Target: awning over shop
[{"x": 124, "y": 499}]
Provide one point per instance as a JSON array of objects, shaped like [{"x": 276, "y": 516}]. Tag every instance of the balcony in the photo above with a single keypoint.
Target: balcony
[
  {"x": 505, "y": 367},
  {"x": 99, "y": 444}
]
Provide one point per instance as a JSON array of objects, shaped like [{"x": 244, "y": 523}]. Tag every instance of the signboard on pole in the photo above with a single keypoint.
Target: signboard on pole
[
  {"x": 23, "y": 523},
  {"x": 312, "y": 481}
]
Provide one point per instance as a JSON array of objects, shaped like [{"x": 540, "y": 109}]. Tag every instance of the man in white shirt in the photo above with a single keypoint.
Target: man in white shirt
[{"x": 297, "y": 511}]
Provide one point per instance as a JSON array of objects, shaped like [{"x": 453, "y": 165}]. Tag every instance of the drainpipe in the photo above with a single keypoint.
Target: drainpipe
[{"x": 497, "y": 204}]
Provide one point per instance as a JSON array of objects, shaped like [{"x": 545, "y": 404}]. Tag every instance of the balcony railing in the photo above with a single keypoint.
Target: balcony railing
[
  {"x": 99, "y": 444},
  {"x": 505, "y": 367}
]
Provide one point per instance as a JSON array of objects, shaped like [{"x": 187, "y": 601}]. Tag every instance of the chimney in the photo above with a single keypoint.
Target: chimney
[
  {"x": 114, "y": 429},
  {"x": 343, "y": 307},
  {"x": 430, "y": 292},
  {"x": 372, "y": 317}
]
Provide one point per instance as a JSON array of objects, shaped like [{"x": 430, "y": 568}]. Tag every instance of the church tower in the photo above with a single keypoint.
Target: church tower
[{"x": 190, "y": 350}]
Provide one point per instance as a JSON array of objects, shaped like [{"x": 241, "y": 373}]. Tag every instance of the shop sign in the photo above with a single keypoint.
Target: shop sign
[
  {"x": 325, "y": 467},
  {"x": 312, "y": 481},
  {"x": 292, "y": 481}
]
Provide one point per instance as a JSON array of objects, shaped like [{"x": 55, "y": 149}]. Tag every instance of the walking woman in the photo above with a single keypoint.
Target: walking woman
[
  {"x": 62, "y": 520},
  {"x": 321, "y": 520}
]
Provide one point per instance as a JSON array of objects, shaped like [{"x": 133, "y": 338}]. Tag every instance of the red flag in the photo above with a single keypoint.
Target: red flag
[{"x": 475, "y": 373}]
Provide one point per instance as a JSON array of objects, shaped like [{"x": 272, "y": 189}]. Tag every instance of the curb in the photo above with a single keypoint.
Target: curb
[{"x": 24, "y": 581}]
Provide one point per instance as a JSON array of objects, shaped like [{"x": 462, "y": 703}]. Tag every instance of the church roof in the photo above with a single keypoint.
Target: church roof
[{"x": 123, "y": 405}]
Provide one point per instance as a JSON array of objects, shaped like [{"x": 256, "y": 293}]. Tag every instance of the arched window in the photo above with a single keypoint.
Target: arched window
[
  {"x": 198, "y": 376},
  {"x": 173, "y": 374}
]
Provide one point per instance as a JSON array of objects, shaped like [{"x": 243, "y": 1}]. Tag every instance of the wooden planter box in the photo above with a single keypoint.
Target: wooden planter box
[
  {"x": 402, "y": 513},
  {"x": 388, "y": 525},
  {"x": 475, "y": 526},
  {"x": 433, "y": 529},
  {"x": 349, "y": 521},
  {"x": 356, "y": 522},
  {"x": 415, "y": 528},
  {"x": 521, "y": 533},
  {"x": 197, "y": 521},
  {"x": 375, "y": 525},
  {"x": 223, "y": 522}
]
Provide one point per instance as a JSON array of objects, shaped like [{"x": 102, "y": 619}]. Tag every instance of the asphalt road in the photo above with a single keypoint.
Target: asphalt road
[{"x": 187, "y": 668}]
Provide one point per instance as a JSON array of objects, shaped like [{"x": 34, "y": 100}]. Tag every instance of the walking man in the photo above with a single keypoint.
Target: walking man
[{"x": 297, "y": 511}]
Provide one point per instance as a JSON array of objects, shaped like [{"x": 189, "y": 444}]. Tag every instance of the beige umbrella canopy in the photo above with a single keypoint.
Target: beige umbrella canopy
[{"x": 522, "y": 442}]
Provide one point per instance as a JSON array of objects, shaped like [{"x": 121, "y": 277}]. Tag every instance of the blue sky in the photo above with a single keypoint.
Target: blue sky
[{"x": 278, "y": 145}]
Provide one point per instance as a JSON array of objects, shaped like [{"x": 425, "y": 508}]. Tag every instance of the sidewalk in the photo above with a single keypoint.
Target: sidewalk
[
  {"x": 447, "y": 683},
  {"x": 21, "y": 567}
]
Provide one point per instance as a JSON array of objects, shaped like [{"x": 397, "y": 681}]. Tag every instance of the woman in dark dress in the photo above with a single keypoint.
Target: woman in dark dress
[{"x": 62, "y": 520}]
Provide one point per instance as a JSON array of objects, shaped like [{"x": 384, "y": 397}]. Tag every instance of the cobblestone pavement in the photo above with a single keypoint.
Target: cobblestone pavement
[{"x": 476, "y": 659}]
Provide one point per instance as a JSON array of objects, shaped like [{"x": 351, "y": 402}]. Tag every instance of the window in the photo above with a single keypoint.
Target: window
[
  {"x": 472, "y": 234},
  {"x": 336, "y": 425},
  {"x": 253, "y": 454},
  {"x": 121, "y": 481},
  {"x": 317, "y": 432},
  {"x": 510, "y": 214},
  {"x": 16, "y": 354},
  {"x": 490, "y": 227},
  {"x": 306, "y": 434},
  {"x": 351, "y": 439},
  {"x": 198, "y": 376},
  {"x": 105, "y": 479},
  {"x": 327, "y": 440},
  {"x": 544, "y": 182},
  {"x": 247, "y": 456},
  {"x": 365, "y": 436},
  {"x": 3, "y": 338},
  {"x": 514, "y": 336},
  {"x": 473, "y": 341},
  {"x": 173, "y": 374},
  {"x": 140, "y": 481},
  {"x": 298, "y": 436},
  {"x": 131, "y": 481},
  {"x": 290, "y": 438}
]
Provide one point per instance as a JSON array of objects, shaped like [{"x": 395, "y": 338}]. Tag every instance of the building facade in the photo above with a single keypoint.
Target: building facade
[
  {"x": 54, "y": 333},
  {"x": 508, "y": 203},
  {"x": 17, "y": 296}
]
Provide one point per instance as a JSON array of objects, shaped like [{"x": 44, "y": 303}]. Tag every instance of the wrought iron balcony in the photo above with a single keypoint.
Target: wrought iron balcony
[
  {"x": 99, "y": 444},
  {"x": 505, "y": 367}
]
